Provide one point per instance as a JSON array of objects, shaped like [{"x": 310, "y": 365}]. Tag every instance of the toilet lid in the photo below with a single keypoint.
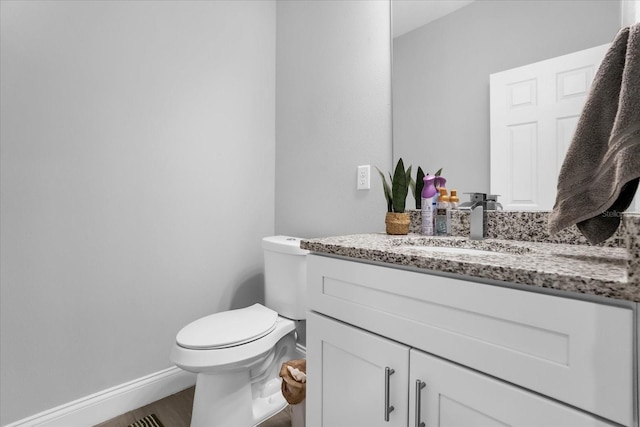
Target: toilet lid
[{"x": 228, "y": 328}]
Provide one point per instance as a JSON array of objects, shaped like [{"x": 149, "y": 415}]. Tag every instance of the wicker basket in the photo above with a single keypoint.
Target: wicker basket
[{"x": 397, "y": 223}]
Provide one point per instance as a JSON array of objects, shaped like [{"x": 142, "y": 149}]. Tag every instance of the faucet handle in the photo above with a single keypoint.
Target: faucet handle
[
  {"x": 492, "y": 202},
  {"x": 477, "y": 197}
]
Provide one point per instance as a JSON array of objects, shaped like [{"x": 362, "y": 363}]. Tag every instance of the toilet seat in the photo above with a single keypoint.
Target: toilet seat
[
  {"x": 228, "y": 328},
  {"x": 233, "y": 357}
]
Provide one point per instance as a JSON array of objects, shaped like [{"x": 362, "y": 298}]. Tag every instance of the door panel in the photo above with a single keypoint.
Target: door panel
[
  {"x": 346, "y": 369},
  {"x": 455, "y": 396},
  {"x": 534, "y": 110}
]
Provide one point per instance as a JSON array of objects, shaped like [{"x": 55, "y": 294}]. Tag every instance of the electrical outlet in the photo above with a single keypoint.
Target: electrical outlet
[{"x": 364, "y": 177}]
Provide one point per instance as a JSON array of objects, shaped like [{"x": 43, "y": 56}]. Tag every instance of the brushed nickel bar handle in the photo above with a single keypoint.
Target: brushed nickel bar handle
[
  {"x": 419, "y": 386},
  {"x": 387, "y": 408}
]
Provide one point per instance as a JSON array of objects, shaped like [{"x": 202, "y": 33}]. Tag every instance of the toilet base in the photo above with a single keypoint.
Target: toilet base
[
  {"x": 222, "y": 400},
  {"x": 225, "y": 400},
  {"x": 242, "y": 397}
]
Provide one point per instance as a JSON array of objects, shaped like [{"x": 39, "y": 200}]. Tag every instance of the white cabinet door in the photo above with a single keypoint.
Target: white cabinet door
[
  {"x": 534, "y": 113},
  {"x": 454, "y": 396},
  {"x": 348, "y": 378}
]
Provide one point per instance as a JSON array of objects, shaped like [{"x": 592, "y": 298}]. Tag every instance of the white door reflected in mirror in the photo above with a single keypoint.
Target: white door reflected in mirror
[{"x": 534, "y": 110}]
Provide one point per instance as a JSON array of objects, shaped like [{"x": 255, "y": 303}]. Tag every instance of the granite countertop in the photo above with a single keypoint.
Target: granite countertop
[{"x": 600, "y": 271}]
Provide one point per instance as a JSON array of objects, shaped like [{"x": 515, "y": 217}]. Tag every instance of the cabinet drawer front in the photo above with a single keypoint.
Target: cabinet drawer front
[
  {"x": 457, "y": 396},
  {"x": 575, "y": 351}
]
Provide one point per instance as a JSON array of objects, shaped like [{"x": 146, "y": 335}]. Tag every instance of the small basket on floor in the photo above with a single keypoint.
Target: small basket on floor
[{"x": 294, "y": 389}]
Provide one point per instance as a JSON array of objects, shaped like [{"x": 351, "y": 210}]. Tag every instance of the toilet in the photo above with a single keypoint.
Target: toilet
[{"x": 237, "y": 354}]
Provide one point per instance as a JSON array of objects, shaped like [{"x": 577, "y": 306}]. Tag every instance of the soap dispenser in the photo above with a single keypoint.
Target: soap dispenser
[
  {"x": 454, "y": 201},
  {"x": 439, "y": 182},
  {"x": 443, "y": 214}
]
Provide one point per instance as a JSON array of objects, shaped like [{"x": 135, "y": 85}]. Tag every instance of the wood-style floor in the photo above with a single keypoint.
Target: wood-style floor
[{"x": 175, "y": 411}]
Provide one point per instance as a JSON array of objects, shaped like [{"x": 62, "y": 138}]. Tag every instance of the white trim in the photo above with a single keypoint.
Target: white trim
[
  {"x": 110, "y": 403},
  {"x": 302, "y": 350},
  {"x": 630, "y": 12}
]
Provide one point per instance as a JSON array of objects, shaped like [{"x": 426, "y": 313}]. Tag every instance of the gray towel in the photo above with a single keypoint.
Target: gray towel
[{"x": 599, "y": 176}]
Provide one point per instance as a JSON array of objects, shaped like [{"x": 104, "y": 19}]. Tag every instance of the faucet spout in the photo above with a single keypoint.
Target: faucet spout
[
  {"x": 469, "y": 206},
  {"x": 478, "y": 217}
]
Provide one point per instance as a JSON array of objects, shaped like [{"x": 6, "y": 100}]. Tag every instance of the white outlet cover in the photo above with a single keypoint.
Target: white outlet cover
[{"x": 364, "y": 177}]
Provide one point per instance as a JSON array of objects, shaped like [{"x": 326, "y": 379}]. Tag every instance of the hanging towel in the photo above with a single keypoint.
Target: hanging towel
[{"x": 599, "y": 176}]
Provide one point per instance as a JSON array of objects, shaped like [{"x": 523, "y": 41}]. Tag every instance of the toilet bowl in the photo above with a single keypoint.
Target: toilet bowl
[
  {"x": 237, "y": 383},
  {"x": 237, "y": 354}
]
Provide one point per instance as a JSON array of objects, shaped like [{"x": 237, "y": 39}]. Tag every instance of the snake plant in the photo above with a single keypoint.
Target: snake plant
[{"x": 396, "y": 193}]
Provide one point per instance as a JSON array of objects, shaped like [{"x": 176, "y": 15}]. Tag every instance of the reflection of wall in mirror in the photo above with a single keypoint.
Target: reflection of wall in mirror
[
  {"x": 630, "y": 12},
  {"x": 441, "y": 75}
]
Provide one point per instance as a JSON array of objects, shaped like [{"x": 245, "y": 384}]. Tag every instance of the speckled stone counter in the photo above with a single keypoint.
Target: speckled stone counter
[
  {"x": 602, "y": 271},
  {"x": 529, "y": 226},
  {"x": 631, "y": 224}
]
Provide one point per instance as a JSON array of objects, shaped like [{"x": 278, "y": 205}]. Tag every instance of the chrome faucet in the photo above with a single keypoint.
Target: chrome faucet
[{"x": 478, "y": 218}]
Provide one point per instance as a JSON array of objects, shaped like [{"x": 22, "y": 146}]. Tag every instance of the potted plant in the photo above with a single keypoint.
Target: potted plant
[
  {"x": 417, "y": 186},
  {"x": 397, "y": 220}
]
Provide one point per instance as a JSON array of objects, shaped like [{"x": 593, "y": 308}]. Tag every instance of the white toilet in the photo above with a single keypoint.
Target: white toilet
[{"x": 237, "y": 354}]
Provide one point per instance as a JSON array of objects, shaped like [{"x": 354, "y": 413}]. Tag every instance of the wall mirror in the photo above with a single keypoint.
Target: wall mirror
[{"x": 443, "y": 55}]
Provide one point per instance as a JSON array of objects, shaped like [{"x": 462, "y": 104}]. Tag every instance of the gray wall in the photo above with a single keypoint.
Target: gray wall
[
  {"x": 139, "y": 170},
  {"x": 333, "y": 114},
  {"x": 137, "y": 179},
  {"x": 441, "y": 75}
]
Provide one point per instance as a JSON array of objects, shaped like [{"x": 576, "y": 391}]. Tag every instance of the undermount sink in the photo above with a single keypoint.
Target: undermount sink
[
  {"x": 452, "y": 250},
  {"x": 460, "y": 246}
]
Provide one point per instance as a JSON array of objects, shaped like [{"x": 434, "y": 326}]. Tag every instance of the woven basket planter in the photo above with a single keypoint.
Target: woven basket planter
[{"x": 397, "y": 223}]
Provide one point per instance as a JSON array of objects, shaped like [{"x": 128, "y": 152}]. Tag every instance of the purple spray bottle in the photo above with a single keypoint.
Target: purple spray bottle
[{"x": 428, "y": 191}]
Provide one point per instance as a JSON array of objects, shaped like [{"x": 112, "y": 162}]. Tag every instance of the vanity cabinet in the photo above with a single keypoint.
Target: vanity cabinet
[
  {"x": 488, "y": 355},
  {"x": 367, "y": 380}
]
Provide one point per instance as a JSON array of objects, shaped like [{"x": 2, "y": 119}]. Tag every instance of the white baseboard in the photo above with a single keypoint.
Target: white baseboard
[
  {"x": 102, "y": 406},
  {"x": 110, "y": 403},
  {"x": 301, "y": 350}
]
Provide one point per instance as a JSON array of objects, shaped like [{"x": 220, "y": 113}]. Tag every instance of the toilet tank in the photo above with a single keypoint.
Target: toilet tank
[{"x": 285, "y": 276}]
